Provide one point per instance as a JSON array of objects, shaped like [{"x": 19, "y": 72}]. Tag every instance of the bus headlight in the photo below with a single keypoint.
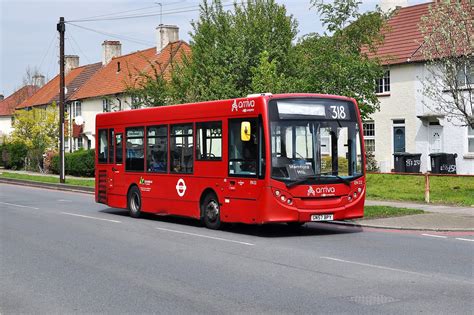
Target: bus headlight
[
  {"x": 359, "y": 190},
  {"x": 289, "y": 201},
  {"x": 277, "y": 193},
  {"x": 283, "y": 198}
]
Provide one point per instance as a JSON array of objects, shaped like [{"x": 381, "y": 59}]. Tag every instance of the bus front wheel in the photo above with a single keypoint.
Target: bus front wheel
[
  {"x": 210, "y": 210},
  {"x": 134, "y": 202}
]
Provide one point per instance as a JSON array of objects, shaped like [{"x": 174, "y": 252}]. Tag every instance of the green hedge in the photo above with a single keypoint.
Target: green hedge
[
  {"x": 13, "y": 155},
  {"x": 79, "y": 163}
]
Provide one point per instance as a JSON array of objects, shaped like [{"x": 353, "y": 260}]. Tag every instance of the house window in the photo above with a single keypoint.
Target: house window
[
  {"x": 383, "y": 84},
  {"x": 465, "y": 75},
  {"x": 470, "y": 140},
  {"x": 369, "y": 136},
  {"x": 106, "y": 105},
  {"x": 136, "y": 102},
  {"x": 79, "y": 143},
  {"x": 77, "y": 110}
]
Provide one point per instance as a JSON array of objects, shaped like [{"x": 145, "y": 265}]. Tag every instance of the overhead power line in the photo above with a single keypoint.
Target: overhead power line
[
  {"x": 128, "y": 11},
  {"x": 136, "y": 16},
  {"x": 123, "y": 37}
]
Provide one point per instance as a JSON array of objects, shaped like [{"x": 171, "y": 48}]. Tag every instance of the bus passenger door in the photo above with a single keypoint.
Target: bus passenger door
[
  {"x": 117, "y": 179},
  {"x": 246, "y": 166}
]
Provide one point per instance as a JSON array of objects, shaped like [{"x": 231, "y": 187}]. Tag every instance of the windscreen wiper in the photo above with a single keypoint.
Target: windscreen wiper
[
  {"x": 344, "y": 180},
  {"x": 316, "y": 176}
]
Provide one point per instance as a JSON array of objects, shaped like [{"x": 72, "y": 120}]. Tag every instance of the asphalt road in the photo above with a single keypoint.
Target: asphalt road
[{"x": 62, "y": 253}]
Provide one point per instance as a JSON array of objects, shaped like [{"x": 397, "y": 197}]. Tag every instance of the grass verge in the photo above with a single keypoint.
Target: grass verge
[
  {"x": 377, "y": 212},
  {"x": 443, "y": 189},
  {"x": 49, "y": 179}
]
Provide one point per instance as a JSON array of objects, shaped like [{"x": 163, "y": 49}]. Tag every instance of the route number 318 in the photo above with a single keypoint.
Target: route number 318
[{"x": 338, "y": 112}]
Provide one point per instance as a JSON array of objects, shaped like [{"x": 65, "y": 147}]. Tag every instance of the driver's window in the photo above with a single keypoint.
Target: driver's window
[
  {"x": 209, "y": 141},
  {"x": 243, "y": 155}
]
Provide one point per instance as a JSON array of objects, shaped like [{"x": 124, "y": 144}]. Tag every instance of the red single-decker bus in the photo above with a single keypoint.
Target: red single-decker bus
[{"x": 291, "y": 158}]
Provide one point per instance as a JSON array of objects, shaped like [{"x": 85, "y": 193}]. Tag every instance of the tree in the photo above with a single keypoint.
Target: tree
[
  {"x": 227, "y": 46},
  {"x": 265, "y": 77},
  {"x": 448, "y": 47},
  {"x": 38, "y": 129},
  {"x": 29, "y": 76},
  {"x": 336, "y": 62}
]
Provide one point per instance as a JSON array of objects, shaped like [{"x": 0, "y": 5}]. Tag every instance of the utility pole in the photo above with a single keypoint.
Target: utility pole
[{"x": 61, "y": 27}]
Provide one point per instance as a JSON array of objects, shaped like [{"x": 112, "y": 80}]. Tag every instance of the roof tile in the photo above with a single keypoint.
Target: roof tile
[{"x": 8, "y": 105}]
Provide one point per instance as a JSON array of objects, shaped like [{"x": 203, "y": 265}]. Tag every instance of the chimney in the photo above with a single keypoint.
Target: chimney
[
  {"x": 2, "y": 97},
  {"x": 166, "y": 34},
  {"x": 38, "y": 80},
  {"x": 70, "y": 62},
  {"x": 110, "y": 49},
  {"x": 390, "y": 5}
]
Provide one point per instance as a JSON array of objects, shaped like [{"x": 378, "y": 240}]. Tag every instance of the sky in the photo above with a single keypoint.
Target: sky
[{"x": 28, "y": 35}]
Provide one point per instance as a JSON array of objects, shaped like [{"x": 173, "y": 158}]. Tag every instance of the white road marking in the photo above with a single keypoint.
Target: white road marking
[
  {"x": 465, "y": 239},
  {"x": 438, "y": 236},
  {"x": 205, "y": 236},
  {"x": 376, "y": 266},
  {"x": 20, "y": 206},
  {"x": 88, "y": 217},
  {"x": 64, "y": 200}
]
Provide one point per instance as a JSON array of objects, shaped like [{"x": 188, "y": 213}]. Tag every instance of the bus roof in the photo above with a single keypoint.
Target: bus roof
[{"x": 207, "y": 110}]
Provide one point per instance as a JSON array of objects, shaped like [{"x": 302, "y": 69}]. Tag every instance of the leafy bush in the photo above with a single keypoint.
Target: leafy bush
[
  {"x": 14, "y": 154},
  {"x": 79, "y": 163},
  {"x": 371, "y": 162}
]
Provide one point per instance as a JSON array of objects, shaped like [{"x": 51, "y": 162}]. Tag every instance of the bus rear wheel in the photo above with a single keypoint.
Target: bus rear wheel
[
  {"x": 210, "y": 211},
  {"x": 134, "y": 201}
]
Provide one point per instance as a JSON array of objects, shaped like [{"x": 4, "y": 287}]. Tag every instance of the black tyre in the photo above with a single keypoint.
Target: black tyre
[
  {"x": 134, "y": 202},
  {"x": 211, "y": 212}
]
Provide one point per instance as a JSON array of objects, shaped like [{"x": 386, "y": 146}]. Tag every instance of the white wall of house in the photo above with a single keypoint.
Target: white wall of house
[
  {"x": 448, "y": 137},
  {"x": 5, "y": 125},
  {"x": 398, "y": 104},
  {"x": 425, "y": 131},
  {"x": 93, "y": 106}
]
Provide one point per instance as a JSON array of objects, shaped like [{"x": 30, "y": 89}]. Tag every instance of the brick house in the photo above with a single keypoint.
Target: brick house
[
  {"x": 101, "y": 87},
  {"x": 9, "y": 104}
]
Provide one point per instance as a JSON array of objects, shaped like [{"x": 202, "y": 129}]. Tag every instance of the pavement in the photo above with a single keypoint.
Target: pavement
[
  {"x": 62, "y": 253},
  {"x": 436, "y": 218}
]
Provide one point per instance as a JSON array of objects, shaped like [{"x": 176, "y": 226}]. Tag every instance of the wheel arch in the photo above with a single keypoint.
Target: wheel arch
[{"x": 204, "y": 193}]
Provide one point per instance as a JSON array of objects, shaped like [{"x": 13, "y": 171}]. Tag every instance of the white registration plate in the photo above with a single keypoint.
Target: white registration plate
[{"x": 322, "y": 217}]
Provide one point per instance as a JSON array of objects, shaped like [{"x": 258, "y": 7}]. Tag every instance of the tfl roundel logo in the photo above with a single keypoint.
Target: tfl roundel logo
[{"x": 181, "y": 187}]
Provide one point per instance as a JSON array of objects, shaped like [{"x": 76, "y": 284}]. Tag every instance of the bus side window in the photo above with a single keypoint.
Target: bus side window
[
  {"x": 209, "y": 141},
  {"x": 157, "y": 149},
  {"x": 243, "y": 155},
  {"x": 182, "y": 148},
  {"x": 111, "y": 146},
  {"x": 103, "y": 149},
  {"x": 118, "y": 149},
  {"x": 135, "y": 159}
]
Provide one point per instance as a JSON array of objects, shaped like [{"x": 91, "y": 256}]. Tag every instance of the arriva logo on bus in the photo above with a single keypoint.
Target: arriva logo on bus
[
  {"x": 320, "y": 190},
  {"x": 244, "y": 106}
]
